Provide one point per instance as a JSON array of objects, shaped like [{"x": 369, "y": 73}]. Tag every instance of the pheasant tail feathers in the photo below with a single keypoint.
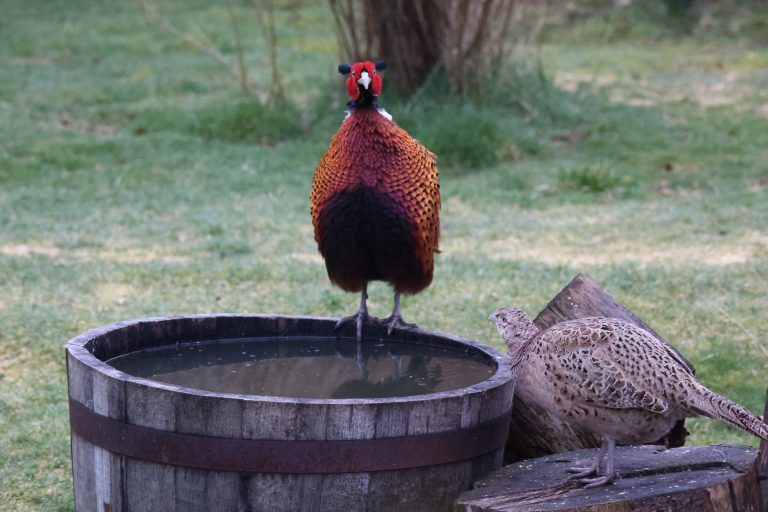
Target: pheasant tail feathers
[{"x": 715, "y": 406}]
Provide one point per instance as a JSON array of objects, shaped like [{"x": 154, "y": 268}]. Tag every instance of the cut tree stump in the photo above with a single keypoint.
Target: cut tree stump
[
  {"x": 762, "y": 461},
  {"x": 530, "y": 434},
  {"x": 716, "y": 478}
]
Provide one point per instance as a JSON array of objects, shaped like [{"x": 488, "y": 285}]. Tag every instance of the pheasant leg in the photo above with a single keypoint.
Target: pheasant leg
[
  {"x": 610, "y": 470},
  {"x": 359, "y": 318},
  {"x": 594, "y": 468},
  {"x": 396, "y": 318}
]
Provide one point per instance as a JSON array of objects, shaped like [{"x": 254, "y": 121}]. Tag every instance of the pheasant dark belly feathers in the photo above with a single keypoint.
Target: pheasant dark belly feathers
[
  {"x": 375, "y": 205},
  {"x": 364, "y": 236}
]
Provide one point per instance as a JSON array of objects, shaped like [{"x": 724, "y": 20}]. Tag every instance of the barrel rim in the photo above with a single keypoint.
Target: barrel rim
[{"x": 76, "y": 347}]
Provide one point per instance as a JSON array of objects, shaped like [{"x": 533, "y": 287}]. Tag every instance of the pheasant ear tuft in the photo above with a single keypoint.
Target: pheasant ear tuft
[
  {"x": 344, "y": 69},
  {"x": 381, "y": 65}
]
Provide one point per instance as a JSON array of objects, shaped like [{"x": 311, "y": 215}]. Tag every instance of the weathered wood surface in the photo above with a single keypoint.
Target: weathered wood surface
[
  {"x": 713, "y": 478},
  {"x": 108, "y": 481},
  {"x": 531, "y": 435},
  {"x": 762, "y": 461}
]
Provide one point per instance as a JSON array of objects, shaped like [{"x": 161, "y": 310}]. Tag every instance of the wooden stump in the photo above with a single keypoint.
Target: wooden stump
[
  {"x": 715, "y": 478},
  {"x": 762, "y": 461},
  {"x": 530, "y": 434}
]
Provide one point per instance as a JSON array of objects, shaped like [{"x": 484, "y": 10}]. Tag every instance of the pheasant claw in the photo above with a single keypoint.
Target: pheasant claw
[{"x": 591, "y": 483}]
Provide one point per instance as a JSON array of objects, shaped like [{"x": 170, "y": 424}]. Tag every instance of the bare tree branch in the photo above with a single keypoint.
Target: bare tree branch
[
  {"x": 205, "y": 46},
  {"x": 265, "y": 10},
  {"x": 242, "y": 72}
]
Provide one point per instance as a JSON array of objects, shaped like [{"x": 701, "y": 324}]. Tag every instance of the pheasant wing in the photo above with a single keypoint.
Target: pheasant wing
[{"x": 609, "y": 365}]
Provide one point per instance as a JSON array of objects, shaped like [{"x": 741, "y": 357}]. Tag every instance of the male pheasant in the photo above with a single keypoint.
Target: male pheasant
[
  {"x": 611, "y": 378},
  {"x": 375, "y": 201}
]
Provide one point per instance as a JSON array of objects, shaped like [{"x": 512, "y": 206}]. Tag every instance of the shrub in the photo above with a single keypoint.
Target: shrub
[
  {"x": 248, "y": 122},
  {"x": 593, "y": 179},
  {"x": 465, "y": 137}
]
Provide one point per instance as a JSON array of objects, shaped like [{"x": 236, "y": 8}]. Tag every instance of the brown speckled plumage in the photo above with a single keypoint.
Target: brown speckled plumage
[{"x": 610, "y": 378}]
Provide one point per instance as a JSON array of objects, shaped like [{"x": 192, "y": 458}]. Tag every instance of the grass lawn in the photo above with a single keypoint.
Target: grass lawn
[{"x": 136, "y": 181}]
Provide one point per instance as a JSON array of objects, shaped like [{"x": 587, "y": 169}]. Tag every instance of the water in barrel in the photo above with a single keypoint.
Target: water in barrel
[{"x": 311, "y": 367}]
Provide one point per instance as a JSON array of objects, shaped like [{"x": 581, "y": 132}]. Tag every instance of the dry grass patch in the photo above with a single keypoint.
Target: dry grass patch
[
  {"x": 116, "y": 293},
  {"x": 557, "y": 248},
  {"x": 28, "y": 250},
  {"x": 116, "y": 255}
]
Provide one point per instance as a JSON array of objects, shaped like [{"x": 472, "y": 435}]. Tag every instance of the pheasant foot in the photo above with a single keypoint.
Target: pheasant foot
[
  {"x": 359, "y": 318},
  {"x": 580, "y": 472},
  {"x": 590, "y": 483},
  {"x": 396, "y": 318},
  {"x": 607, "y": 451},
  {"x": 393, "y": 321}
]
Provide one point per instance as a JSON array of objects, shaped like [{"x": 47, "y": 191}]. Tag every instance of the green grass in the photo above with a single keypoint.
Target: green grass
[{"x": 135, "y": 181}]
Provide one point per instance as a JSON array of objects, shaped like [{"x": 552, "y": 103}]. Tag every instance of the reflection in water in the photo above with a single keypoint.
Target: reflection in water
[
  {"x": 311, "y": 367},
  {"x": 431, "y": 376}
]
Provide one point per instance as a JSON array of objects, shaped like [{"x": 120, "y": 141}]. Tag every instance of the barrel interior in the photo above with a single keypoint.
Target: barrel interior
[
  {"x": 302, "y": 367},
  {"x": 266, "y": 358}
]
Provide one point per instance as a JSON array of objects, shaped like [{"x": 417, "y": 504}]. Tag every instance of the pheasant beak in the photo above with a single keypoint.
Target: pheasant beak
[
  {"x": 364, "y": 80},
  {"x": 494, "y": 317}
]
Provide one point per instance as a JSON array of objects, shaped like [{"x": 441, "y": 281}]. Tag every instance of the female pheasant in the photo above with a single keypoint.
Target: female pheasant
[
  {"x": 610, "y": 378},
  {"x": 375, "y": 201}
]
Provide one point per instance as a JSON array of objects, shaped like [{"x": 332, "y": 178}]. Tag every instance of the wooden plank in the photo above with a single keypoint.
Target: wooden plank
[
  {"x": 190, "y": 487},
  {"x": 309, "y": 489},
  {"x": 148, "y": 485},
  {"x": 702, "y": 478},
  {"x": 199, "y": 490},
  {"x": 84, "y": 474},
  {"x": 532, "y": 433},
  {"x": 309, "y": 421},
  {"x": 392, "y": 488},
  {"x": 269, "y": 420},
  {"x": 392, "y": 419},
  {"x": 270, "y": 493},
  {"x": 265, "y": 491},
  {"x": 222, "y": 492},
  {"x": 80, "y": 381},
  {"x": 347, "y": 491},
  {"x": 108, "y": 400}
]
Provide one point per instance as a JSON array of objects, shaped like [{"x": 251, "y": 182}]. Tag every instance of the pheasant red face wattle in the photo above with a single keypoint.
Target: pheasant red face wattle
[{"x": 363, "y": 77}]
